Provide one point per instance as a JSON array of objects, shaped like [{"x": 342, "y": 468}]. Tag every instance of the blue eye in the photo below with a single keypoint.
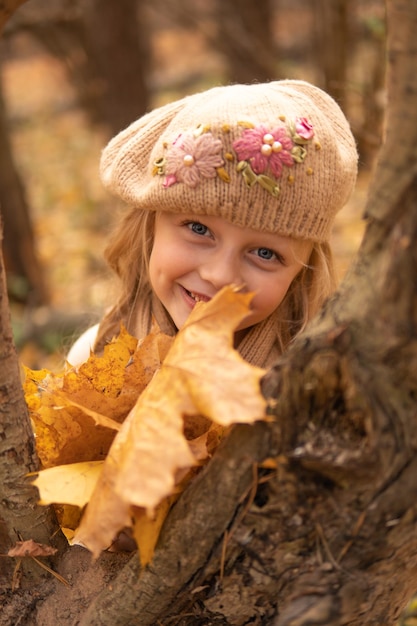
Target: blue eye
[
  {"x": 266, "y": 254},
  {"x": 198, "y": 228}
]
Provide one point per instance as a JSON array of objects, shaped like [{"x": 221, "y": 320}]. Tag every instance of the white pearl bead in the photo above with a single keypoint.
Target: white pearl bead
[
  {"x": 188, "y": 159},
  {"x": 277, "y": 146},
  {"x": 268, "y": 138},
  {"x": 266, "y": 149}
]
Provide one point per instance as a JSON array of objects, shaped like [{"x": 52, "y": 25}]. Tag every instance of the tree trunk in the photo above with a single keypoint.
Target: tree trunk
[
  {"x": 20, "y": 516},
  {"x": 245, "y": 36},
  {"x": 118, "y": 51},
  {"x": 105, "y": 49},
  {"x": 332, "y": 26},
  {"x": 26, "y": 277},
  {"x": 370, "y": 132}
]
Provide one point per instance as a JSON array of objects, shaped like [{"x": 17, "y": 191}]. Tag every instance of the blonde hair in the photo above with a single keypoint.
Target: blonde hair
[
  {"x": 310, "y": 288},
  {"x": 128, "y": 253}
]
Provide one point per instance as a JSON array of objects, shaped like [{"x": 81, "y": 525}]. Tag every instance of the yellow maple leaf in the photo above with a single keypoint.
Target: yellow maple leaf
[
  {"x": 73, "y": 483},
  {"x": 146, "y": 528},
  {"x": 107, "y": 374},
  {"x": 75, "y": 414},
  {"x": 201, "y": 375}
]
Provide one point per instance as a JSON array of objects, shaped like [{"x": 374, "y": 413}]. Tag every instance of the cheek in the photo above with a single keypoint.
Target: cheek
[
  {"x": 167, "y": 260},
  {"x": 271, "y": 293},
  {"x": 152, "y": 268},
  {"x": 157, "y": 264},
  {"x": 270, "y": 297}
]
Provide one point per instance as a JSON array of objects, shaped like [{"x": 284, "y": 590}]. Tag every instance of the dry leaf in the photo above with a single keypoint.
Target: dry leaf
[
  {"x": 146, "y": 529},
  {"x": 71, "y": 484},
  {"x": 223, "y": 386},
  {"x": 30, "y": 548},
  {"x": 201, "y": 375},
  {"x": 75, "y": 413}
]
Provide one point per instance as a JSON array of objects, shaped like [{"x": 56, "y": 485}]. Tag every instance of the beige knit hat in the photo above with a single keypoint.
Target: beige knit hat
[{"x": 276, "y": 157}]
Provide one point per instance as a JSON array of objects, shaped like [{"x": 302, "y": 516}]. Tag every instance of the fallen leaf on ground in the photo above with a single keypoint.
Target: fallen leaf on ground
[{"x": 30, "y": 548}]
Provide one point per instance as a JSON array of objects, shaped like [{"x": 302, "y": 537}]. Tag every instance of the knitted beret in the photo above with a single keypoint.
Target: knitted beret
[{"x": 277, "y": 157}]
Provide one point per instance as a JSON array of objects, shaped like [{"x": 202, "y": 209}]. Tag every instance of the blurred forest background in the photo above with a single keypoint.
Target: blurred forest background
[{"x": 75, "y": 72}]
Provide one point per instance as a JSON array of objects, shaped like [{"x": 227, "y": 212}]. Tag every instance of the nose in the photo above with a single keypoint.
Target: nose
[{"x": 222, "y": 268}]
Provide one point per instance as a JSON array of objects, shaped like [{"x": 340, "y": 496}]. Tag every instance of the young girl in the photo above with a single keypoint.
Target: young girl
[{"x": 236, "y": 185}]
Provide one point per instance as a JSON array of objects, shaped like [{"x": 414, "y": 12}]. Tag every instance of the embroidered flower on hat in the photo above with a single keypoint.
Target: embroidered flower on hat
[
  {"x": 303, "y": 129},
  {"x": 262, "y": 153},
  {"x": 264, "y": 149},
  {"x": 191, "y": 158}
]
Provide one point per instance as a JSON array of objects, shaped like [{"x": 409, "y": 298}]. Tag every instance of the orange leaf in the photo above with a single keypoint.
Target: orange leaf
[
  {"x": 75, "y": 414},
  {"x": 202, "y": 375}
]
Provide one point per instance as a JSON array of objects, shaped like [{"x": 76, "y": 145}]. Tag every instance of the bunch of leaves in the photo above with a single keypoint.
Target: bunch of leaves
[{"x": 169, "y": 405}]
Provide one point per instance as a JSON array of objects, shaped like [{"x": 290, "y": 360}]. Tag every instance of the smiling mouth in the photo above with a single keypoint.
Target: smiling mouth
[{"x": 197, "y": 297}]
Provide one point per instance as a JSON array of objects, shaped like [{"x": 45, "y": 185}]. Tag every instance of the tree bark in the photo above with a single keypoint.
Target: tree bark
[{"x": 21, "y": 517}]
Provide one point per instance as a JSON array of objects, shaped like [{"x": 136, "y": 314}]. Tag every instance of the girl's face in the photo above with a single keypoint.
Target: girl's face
[{"x": 194, "y": 256}]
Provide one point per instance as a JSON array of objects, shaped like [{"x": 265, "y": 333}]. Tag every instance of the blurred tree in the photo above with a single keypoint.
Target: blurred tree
[
  {"x": 333, "y": 43},
  {"x": 347, "y": 30},
  {"x": 25, "y": 275},
  {"x": 105, "y": 49},
  {"x": 245, "y": 36},
  {"x": 241, "y": 31},
  {"x": 118, "y": 52},
  {"x": 370, "y": 132},
  {"x": 8, "y": 7}
]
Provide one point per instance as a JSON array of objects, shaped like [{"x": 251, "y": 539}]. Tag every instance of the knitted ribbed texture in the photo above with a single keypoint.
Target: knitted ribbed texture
[{"x": 277, "y": 157}]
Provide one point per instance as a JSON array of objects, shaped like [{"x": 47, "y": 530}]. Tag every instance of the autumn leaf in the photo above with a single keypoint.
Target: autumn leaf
[
  {"x": 33, "y": 550},
  {"x": 106, "y": 375},
  {"x": 76, "y": 413},
  {"x": 146, "y": 528},
  {"x": 73, "y": 483},
  {"x": 177, "y": 413},
  {"x": 201, "y": 375},
  {"x": 30, "y": 548},
  {"x": 222, "y": 385}
]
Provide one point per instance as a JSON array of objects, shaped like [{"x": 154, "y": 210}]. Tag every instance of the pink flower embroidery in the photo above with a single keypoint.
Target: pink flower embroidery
[
  {"x": 190, "y": 159},
  {"x": 264, "y": 149},
  {"x": 303, "y": 128},
  {"x": 169, "y": 180}
]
